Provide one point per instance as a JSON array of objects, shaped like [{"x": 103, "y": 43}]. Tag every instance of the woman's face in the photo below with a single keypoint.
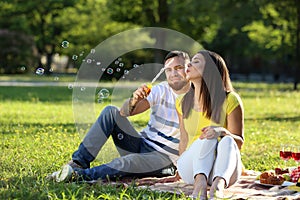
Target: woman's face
[{"x": 196, "y": 67}]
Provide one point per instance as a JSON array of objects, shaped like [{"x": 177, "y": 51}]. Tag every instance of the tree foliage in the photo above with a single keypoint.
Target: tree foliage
[{"x": 253, "y": 36}]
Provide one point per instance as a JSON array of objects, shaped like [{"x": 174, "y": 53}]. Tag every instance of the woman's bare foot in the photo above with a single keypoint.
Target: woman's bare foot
[
  {"x": 217, "y": 188},
  {"x": 200, "y": 187}
]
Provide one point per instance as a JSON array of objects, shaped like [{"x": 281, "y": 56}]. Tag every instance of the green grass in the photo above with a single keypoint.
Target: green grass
[{"x": 38, "y": 136}]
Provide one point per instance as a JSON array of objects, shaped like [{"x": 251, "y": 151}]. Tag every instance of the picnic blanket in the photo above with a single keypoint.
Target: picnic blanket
[{"x": 245, "y": 188}]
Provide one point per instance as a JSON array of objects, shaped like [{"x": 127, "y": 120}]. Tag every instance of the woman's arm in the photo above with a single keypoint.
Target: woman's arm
[
  {"x": 235, "y": 125},
  {"x": 235, "y": 128}
]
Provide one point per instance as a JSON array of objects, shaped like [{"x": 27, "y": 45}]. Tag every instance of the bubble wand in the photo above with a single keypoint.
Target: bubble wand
[{"x": 149, "y": 86}]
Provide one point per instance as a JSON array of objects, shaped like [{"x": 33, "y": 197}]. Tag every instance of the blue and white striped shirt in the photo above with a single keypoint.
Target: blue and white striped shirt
[{"x": 162, "y": 131}]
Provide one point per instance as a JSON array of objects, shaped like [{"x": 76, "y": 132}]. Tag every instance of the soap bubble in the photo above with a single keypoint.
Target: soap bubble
[
  {"x": 40, "y": 71},
  {"x": 70, "y": 86},
  {"x": 110, "y": 70},
  {"x": 89, "y": 60},
  {"x": 65, "y": 44},
  {"x": 74, "y": 57},
  {"x": 103, "y": 93},
  {"x": 120, "y": 136}
]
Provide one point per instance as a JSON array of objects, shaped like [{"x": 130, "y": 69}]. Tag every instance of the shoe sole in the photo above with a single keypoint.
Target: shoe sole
[{"x": 64, "y": 174}]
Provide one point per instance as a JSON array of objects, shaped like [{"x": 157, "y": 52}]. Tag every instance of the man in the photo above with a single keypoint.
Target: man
[{"x": 151, "y": 152}]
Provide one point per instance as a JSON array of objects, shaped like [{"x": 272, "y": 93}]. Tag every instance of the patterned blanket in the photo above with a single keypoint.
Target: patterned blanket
[{"x": 246, "y": 188}]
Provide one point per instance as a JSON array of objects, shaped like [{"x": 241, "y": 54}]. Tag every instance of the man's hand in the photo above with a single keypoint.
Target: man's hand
[{"x": 138, "y": 95}]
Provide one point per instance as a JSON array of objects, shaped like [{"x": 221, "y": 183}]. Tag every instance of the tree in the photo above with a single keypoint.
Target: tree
[
  {"x": 18, "y": 53},
  {"x": 191, "y": 17},
  {"x": 276, "y": 33},
  {"x": 297, "y": 73},
  {"x": 40, "y": 20}
]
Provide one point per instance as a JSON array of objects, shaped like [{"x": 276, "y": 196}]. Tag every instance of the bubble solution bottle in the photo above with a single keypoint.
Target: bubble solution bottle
[{"x": 149, "y": 85}]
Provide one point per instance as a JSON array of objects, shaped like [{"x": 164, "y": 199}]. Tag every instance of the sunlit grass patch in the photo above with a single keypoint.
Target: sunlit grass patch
[{"x": 38, "y": 136}]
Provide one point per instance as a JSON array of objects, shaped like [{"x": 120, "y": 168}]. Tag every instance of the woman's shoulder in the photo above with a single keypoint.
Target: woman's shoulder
[{"x": 233, "y": 96}]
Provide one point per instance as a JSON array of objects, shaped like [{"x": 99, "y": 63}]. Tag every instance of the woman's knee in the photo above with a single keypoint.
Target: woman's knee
[
  {"x": 226, "y": 144},
  {"x": 227, "y": 140}
]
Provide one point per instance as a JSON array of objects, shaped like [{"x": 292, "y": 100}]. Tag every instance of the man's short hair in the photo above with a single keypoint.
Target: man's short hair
[{"x": 176, "y": 53}]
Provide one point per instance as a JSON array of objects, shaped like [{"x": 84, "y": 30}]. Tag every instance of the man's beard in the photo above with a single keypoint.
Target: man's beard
[{"x": 178, "y": 86}]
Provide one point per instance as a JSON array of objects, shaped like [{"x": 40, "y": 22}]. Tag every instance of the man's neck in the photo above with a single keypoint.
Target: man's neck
[{"x": 183, "y": 90}]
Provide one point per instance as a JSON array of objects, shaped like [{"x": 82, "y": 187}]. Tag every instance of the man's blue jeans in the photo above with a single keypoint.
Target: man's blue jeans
[{"x": 137, "y": 159}]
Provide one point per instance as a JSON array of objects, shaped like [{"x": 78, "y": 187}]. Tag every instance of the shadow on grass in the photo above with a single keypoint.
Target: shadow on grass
[
  {"x": 41, "y": 188},
  {"x": 22, "y": 188},
  {"x": 33, "y": 128},
  {"x": 32, "y": 188},
  {"x": 35, "y": 94},
  {"x": 277, "y": 118}
]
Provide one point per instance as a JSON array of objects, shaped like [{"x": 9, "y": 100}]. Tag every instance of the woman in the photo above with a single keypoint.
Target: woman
[{"x": 211, "y": 120}]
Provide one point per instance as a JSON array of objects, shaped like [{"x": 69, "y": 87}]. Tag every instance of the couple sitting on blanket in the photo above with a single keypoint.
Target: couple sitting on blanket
[{"x": 195, "y": 131}]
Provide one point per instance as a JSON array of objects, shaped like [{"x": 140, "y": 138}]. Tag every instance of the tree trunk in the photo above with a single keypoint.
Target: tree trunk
[
  {"x": 163, "y": 13},
  {"x": 48, "y": 64},
  {"x": 297, "y": 63}
]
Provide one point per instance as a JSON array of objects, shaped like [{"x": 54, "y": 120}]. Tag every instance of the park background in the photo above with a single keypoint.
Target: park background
[{"x": 258, "y": 39}]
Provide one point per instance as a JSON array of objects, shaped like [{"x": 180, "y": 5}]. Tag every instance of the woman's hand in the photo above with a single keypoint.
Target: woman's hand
[{"x": 211, "y": 132}]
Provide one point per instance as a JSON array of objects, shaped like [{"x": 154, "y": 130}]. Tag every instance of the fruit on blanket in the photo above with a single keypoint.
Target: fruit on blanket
[
  {"x": 295, "y": 175},
  {"x": 281, "y": 171},
  {"x": 271, "y": 178}
]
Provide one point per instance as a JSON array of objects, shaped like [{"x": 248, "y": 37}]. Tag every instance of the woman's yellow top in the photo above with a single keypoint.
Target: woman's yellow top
[{"x": 197, "y": 120}]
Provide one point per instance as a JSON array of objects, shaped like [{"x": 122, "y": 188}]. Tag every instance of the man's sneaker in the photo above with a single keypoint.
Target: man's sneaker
[
  {"x": 52, "y": 176},
  {"x": 73, "y": 164},
  {"x": 65, "y": 174}
]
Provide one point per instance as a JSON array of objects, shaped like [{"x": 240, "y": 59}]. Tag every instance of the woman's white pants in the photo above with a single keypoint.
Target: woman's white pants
[{"x": 212, "y": 158}]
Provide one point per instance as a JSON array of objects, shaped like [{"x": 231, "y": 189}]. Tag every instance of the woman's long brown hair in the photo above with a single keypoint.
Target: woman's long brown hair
[{"x": 215, "y": 84}]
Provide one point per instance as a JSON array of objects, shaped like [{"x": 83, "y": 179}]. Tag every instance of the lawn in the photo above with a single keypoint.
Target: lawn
[{"x": 38, "y": 136}]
